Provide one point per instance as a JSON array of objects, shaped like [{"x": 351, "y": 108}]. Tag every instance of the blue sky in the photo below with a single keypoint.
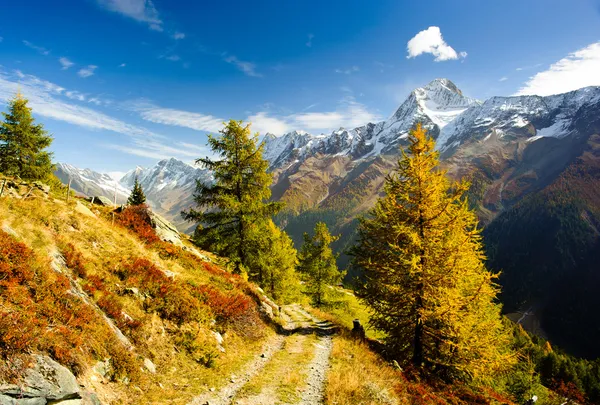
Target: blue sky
[{"x": 121, "y": 83}]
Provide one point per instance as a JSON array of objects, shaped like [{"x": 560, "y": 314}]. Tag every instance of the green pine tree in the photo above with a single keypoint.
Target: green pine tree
[
  {"x": 318, "y": 265},
  {"x": 23, "y": 143},
  {"x": 237, "y": 201},
  {"x": 137, "y": 196},
  {"x": 425, "y": 278}
]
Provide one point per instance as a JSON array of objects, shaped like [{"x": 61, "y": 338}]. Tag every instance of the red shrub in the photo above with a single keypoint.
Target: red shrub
[
  {"x": 74, "y": 259},
  {"x": 137, "y": 219},
  {"x": 38, "y": 312},
  {"x": 224, "y": 307}
]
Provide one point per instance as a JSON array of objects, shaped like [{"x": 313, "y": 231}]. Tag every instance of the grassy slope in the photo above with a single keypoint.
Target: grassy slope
[{"x": 176, "y": 348}]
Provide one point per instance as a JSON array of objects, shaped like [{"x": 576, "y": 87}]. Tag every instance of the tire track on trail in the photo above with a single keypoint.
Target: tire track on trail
[{"x": 298, "y": 322}]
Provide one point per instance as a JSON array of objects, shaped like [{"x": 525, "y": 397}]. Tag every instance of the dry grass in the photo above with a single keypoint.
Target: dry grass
[
  {"x": 359, "y": 376},
  {"x": 97, "y": 251},
  {"x": 284, "y": 377}
]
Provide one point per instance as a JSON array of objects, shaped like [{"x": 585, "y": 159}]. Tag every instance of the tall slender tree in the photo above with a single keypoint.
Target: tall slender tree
[
  {"x": 318, "y": 264},
  {"x": 137, "y": 196},
  {"x": 23, "y": 143},
  {"x": 273, "y": 264},
  {"x": 425, "y": 278},
  {"x": 237, "y": 200}
]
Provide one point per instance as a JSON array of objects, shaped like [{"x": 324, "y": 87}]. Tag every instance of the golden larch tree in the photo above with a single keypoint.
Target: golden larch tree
[{"x": 424, "y": 274}]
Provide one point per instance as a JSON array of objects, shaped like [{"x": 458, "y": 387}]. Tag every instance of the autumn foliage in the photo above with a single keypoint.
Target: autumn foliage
[
  {"x": 37, "y": 311},
  {"x": 137, "y": 219}
]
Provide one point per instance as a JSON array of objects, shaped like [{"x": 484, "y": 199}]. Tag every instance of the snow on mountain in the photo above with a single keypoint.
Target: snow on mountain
[
  {"x": 435, "y": 106},
  {"x": 91, "y": 183},
  {"x": 532, "y": 116}
]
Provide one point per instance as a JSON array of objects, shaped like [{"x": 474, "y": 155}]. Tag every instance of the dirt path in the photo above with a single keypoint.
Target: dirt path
[{"x": 292, "y": 369}]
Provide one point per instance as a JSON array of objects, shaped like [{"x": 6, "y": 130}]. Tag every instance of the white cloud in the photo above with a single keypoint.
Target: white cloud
[
  {"x": 173, "y": 58},
  {"x": 171, "y": 116},
  {"x": 75, "y": 95},
  {"x": 503, "y": 79},
  {"x": 248, "y": 68},
  {"x": 42, "y": 99},
  {"x": 262, "y": 123},
  {"x": 309, "y": 42},
  {"x": 122, "y": 65},
  {"x": 66, "y": 63},
  {"x": 140, "y": 10},
  {"x": 578, "y": 69},
  {"x": 348, "y": 71},
  {"x": 348, "y": 114},
  {"x": 40, "y": 49},
  {"x": 87, "y": 71},
  {"x": 431, "y": 41},
  {"x": 178, "y": 35}
]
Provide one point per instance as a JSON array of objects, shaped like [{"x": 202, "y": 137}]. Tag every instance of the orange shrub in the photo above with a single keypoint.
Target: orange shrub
[
  {"x": 73, "y": 259},
  {"x": 137, "y": 219},
  {"x": 224, "y": 307},
  {"x": 38, "y": 312}
]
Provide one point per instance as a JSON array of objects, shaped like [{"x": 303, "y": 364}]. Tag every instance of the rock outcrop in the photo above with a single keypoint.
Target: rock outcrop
[{"x": 46, "y": 382}]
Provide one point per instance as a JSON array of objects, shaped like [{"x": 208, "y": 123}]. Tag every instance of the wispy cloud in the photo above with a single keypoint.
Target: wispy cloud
[
  {"x": 309, "y": 42},
  {"x": 178, "y": 35},
  {"x": 1, "y": 39},
  {"x": 173, "y": 58},
  {"x": 348, "y": 114},
  {"x": 45, "y": 100},
  {"x": 66, "y": 63},
  {"x": 348, "y": 71},
  {"x": 170, "y": 116},
  {"x": 248, "y": 68},
  {"x": 576, "y": 70},
  {"x": 503, "y": 79},
  {"x": 87, "y": 71},
  {"x": 431, "y": 41},
  {"x": 122, "y": 65},
  {"x": 39, "y": 49},
  {"x": 383, "y": 66},
  {"x": 140, "y": 10}
]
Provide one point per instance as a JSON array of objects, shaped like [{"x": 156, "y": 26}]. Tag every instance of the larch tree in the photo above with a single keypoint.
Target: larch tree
[
  {"x": 424, "y": 275},
  {"x": 318, "y": 264},
  {"x": 273, "y": 264},
  {"x": 23, "y": 143},
  {"x": 137, "y": 196},
  {"x": 237, "y": 200}
]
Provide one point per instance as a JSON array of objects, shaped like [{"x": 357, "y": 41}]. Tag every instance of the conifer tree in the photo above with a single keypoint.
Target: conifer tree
[
  {"x": 238, "y": 198},
  {"x": 318, "y": 264},
  {"x": 425, "y": 278},
  {"x": 273, "y": 265},
  {"x": 137, "y": 196},
  {"x": 23, "y": 143}
]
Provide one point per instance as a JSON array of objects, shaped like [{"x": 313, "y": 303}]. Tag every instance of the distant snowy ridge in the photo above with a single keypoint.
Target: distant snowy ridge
[{"x": 450, "y": 117}]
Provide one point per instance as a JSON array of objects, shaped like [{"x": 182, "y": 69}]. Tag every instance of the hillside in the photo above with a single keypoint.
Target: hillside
[
  {"x": 123, "y": 317},
  {"x": 548, "y": 247}
]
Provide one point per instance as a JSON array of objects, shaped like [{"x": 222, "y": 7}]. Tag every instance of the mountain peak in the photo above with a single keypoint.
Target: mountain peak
[{"x": 442, "y": 84}]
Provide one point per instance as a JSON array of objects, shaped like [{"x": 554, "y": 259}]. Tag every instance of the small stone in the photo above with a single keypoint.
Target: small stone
[
  {"x": 212, "y": 389},
  {"x": 149, "y": 365}
]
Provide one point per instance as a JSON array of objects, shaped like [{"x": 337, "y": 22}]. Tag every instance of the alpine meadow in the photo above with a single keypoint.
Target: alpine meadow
[{"x": 292, "y": 204}]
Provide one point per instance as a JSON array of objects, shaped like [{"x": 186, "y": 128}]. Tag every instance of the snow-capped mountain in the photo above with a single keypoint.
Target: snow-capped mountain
[
  {"x": 91, "y": 183},
  {"x": 514, "y": 144},
  {"x": 169, "y": 186},
  {"x": 435, "y": 106}
]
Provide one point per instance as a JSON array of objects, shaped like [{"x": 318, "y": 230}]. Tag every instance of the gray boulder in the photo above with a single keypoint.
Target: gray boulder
[
  {"x": 45, "y": 382},
  {"x": 164, "y": 229},
  {"x": 101, "y": 200}
]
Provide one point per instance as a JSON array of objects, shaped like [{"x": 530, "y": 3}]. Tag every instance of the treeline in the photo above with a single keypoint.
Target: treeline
[{"x": 235, "y": 220}]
